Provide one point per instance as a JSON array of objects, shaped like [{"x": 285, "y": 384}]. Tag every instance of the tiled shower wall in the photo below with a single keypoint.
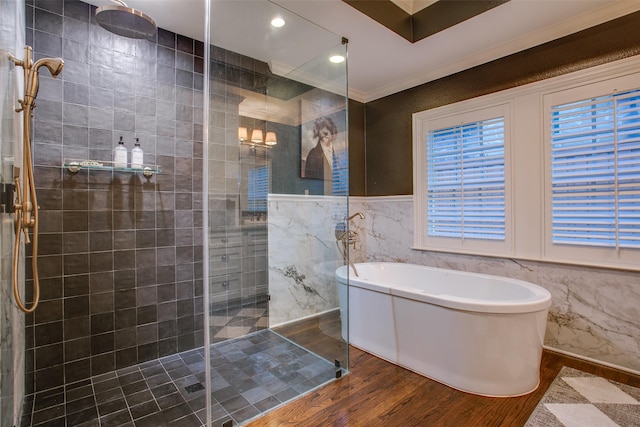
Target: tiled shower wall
[{"x": 120, "y": 255}]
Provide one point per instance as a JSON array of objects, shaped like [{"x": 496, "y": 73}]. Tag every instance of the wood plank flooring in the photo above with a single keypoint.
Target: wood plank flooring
[{"x": 378, "y": 393}]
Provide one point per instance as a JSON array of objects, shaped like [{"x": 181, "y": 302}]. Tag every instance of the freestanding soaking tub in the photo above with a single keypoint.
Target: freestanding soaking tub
[{"x": 474, "y": 332}]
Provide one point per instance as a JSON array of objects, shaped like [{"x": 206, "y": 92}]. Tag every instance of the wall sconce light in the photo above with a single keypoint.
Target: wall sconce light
[
  {"x": 257, "y": 138},
  {"x": 242, "y": 134},
  {"x": 270, "y": 139}
]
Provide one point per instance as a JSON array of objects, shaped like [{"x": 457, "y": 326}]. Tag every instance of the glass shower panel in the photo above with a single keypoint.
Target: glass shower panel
[
  {"x": 11, "y": 321},
  {"x": 308, "y": 209},
  {"x": 274, "y": 318}
]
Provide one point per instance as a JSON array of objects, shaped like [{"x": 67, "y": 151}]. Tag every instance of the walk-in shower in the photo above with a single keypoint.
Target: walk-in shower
[{"x": 203, "y": 294}]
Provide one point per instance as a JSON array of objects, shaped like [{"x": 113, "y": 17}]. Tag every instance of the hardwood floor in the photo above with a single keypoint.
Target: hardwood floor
[{"x": 378, "y": 393}]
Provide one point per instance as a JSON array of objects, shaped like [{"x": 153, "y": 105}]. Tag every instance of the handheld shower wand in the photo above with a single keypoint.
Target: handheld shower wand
[{"x": 26, "y": 205}]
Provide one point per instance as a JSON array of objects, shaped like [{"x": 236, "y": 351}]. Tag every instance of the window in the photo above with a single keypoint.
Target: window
[
  {"x": 595, "y": 171},
  {"x": 465, "y": 181},
  {"x": 548, "y": 171},
  {"x": 340, "y": 174},
  {"x": 592, "y": 143},
  {"x": 462, "y": 185},
  {"x": 258, "y": 189}
]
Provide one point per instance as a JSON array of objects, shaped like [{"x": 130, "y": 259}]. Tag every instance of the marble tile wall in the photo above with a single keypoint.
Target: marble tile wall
[
  {"x": 594, "y": 313},
  {"x": 303, "y": 255}
]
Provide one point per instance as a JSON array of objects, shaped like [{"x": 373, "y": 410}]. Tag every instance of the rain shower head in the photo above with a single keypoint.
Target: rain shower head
[{"x": 126, "y": 21}]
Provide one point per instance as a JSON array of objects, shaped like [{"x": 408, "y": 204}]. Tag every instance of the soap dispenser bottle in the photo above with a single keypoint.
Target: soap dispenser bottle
[
  {"x": 120, "y": 155},
  {"x": 137, "y": 156}
]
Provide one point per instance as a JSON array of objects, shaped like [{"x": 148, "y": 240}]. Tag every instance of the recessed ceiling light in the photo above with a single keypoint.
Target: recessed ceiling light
[
  {"x": 336, "y": 59},
  {"x": 277, "y": 22}
]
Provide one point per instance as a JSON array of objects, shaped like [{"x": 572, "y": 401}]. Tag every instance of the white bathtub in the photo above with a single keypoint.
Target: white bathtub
[{"x": 474, "y": 332}]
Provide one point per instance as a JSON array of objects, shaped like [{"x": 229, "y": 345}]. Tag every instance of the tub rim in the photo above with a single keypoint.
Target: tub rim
[{"x": 540, "y": 297}]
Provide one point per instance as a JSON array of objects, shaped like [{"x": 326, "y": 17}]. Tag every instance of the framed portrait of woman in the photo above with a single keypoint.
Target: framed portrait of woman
[{"x": 322, "y": 139}]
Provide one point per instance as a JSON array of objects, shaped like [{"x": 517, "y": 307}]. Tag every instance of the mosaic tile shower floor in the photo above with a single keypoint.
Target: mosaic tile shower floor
[{"x": 250, "y": 375}]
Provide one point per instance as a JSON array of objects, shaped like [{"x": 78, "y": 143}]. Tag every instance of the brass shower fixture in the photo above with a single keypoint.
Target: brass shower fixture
[
  {"x": 32, "y": 77},
  {"x": 26, "y": 205},
  {"x": 346, "y": 237}
]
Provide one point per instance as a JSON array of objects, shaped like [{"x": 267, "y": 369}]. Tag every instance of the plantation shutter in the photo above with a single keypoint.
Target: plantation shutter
[
  {"x": 340, "y": 174},
  {"x": 595, "y": 171},
  {"x": 466, "y": 181},
  {"x": 258, "y": 189}
]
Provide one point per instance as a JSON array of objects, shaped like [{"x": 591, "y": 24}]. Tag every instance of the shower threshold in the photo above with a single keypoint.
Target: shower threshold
[{"x": 250, "y": 375}]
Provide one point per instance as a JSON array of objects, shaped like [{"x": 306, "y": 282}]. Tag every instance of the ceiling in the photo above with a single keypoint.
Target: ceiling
[
  {"x": 412, "y": 6},
  {"x": 380, "y": 62}
]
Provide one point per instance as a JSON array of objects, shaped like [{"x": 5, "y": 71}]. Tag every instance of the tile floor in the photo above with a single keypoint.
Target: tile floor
[
  {"x": 577, "y": 398},
  {"x": 239, "y": 321},
  {"x": 250, "y": 375}
]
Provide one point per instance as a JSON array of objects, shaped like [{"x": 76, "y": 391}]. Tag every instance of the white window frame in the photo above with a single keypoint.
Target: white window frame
[
  {"x": 431, "y": 120},
  {"x": 580, "y": 253},
  {"x": 527, "y": 167}
]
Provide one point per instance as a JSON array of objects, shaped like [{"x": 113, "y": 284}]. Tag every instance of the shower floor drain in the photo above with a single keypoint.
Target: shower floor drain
[{"x": 194, "y": 387}]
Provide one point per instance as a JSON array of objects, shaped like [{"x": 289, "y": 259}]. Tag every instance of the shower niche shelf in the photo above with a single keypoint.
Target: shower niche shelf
[{"x": 74, "y": 166}]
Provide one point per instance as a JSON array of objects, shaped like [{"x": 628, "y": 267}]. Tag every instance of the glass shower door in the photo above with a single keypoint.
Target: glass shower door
[
  {"x": 11, "y": 322},
  {"x": 308, "y": 212},
  {"x": 274, "y": 314}
]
